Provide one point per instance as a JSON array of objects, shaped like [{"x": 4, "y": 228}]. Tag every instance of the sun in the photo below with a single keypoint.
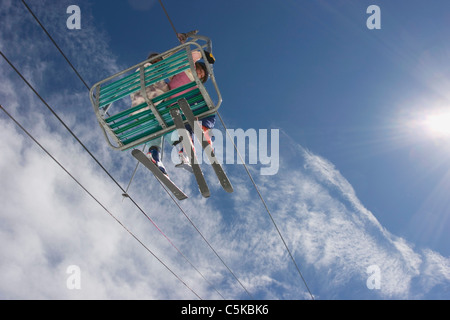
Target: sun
[{"x": 438, "y": 123}]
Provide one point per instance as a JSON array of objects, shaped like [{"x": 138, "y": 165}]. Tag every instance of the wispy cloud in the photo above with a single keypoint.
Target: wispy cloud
[{"x": 332, "y": 231}]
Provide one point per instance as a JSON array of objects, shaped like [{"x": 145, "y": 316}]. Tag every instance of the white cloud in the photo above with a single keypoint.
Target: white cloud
[{"x": 329, "y": 228}]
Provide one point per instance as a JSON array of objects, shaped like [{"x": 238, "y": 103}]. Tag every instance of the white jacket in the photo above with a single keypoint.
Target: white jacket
[{"x": 152, "y": 91}]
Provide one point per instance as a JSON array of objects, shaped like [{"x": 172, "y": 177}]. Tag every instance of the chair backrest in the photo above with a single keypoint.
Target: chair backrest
[{"x": 125, "y": 126}]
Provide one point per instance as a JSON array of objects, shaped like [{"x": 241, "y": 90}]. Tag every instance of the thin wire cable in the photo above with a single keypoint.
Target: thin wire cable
[
  {"x": 125, "y": 195},
  {"x": 98, "y": 162},
  {"x": 176, "y": 33},
  {"x": 265, "y": 205},
  {"x": 96, "y": 200},
  {"x": 170, "y": 20},
  {"x": 165, "y": 189},
  {"x": 207, "y": 242},
  {"x": 56, "y": 45}
]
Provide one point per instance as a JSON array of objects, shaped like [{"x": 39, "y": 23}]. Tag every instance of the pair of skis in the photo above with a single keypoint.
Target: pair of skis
[{"x": 190, "y": 151}]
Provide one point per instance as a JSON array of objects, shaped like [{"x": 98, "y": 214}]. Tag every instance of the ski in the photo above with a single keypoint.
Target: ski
[
  {"x": 189, "y": 149},
  {"x": 142, "y": 158},
  {"x": 221, "y": 175}
]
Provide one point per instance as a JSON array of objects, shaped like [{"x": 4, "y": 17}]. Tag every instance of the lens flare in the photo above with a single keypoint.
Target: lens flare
[{"x": 439, "y": 124}]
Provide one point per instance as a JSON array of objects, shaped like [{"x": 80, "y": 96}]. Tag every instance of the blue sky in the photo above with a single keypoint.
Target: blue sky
[
  {"x": 362, "y": 181},
  {"x": 346, "y": 86}
]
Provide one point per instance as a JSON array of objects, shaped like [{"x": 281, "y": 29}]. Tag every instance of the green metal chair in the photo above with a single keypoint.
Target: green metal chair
[{"x": 126, "y": 127}]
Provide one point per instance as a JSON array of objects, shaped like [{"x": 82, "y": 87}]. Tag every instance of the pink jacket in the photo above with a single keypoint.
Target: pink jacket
[
  {"x": 184, "y": 77},
  {"x": 161, "y": 87}
]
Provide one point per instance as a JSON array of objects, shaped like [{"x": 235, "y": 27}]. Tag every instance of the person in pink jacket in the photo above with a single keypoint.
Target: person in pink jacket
[
  {"x": 154, "y": 152},
  {"x": 185, "y": 78}
]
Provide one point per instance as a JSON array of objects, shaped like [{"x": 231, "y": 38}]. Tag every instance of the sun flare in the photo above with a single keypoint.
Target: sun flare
[{"x": 439, "y": 123}]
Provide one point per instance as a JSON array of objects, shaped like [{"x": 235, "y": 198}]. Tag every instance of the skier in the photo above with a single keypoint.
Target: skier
[
  {"x": 181, "y": 79},
  {"x": 154, "y": 90},
  {"x": 145, "y": 124}
]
